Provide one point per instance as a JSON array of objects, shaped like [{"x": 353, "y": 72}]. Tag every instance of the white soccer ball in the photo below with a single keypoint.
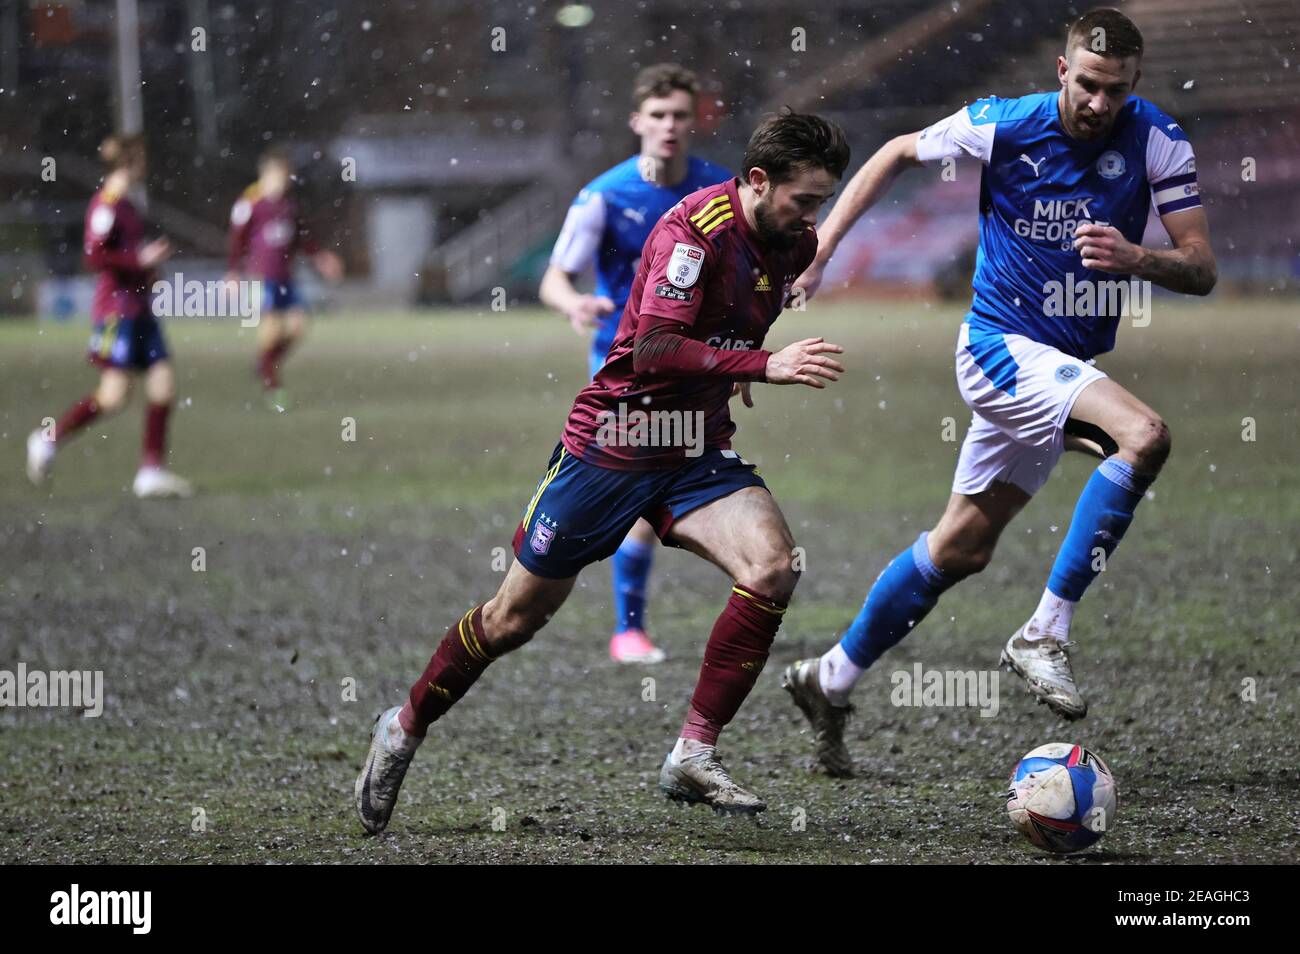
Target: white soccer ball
[{"x": 1062, "y": 797}]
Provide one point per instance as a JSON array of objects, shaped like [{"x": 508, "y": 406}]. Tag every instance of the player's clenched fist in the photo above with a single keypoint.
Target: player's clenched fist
[
  {"x": 1105, "y": 248},
  {"x": 805, "y": 362}
]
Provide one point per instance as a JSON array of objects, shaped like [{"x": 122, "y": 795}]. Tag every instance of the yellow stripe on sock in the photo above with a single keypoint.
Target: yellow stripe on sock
[
  {"x": 470, "y": 640},
  {"x": 760, "y": 603}
]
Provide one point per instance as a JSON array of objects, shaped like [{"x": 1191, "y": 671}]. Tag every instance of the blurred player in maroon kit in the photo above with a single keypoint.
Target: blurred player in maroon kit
[
  {"x": 713, "y": 276},
  {"x": 265, "y": 236},
  {"x": 126, "y": 335}
]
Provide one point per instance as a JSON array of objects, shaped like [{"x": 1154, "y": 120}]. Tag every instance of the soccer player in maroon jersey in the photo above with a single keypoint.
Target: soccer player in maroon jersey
[
  {"x": 265, "y": 236},
  {"x": 606, "y": 227},
  {"x": 650, "y": 437},
  {"x": 126, "y": 335}
]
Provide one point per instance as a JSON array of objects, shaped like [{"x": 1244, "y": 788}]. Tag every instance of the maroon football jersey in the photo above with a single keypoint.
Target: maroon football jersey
[
  {"x": 704, "y": 267},
  {"x": 265, "y": 234},
  {"x": 113, "y": 235}
]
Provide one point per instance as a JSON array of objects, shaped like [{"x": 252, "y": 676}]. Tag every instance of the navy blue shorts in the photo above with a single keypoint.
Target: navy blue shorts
[
  {"x": 280, "y": 297},
  {"x": 581, "y": 512},
  {"x": 132, "y": 344}
]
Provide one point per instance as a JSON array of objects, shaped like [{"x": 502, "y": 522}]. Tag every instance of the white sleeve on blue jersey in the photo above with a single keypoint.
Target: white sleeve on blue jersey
[
  {"x": 575, "y": 249},
  {"x": 956, "y": 137},
  {"x": 1171, "y": 170}
]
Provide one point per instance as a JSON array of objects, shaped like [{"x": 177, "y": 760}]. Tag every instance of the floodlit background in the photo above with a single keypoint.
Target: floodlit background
[{"x": 472, "y": 124}]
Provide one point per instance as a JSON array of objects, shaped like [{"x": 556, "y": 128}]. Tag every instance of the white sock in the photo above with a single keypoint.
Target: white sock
[
  {"x": 1052, "y": 618},
  {"x": 696, "y": 749},
  {"x": 837, "y": 675}
]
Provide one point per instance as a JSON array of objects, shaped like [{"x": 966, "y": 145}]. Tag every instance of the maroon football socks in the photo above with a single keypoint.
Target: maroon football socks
[
  {"x": 457, "y": 662},
  {"x": 735, "y": 655},
  {"x": 76, "y": 417}
]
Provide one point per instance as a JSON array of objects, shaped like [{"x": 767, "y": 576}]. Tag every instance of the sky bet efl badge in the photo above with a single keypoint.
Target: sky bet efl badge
[{"x": 684, "y": 266}]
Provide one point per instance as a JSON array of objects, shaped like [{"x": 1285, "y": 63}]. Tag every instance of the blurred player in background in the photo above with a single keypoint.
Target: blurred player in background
[
  {"x": 714, "y": 277},
  {"x": 607, "y": 226},
  {"x": 1068, "y": 181},
  {"x": 265, "y": 237},
  {"x": 127, "y": 337}
]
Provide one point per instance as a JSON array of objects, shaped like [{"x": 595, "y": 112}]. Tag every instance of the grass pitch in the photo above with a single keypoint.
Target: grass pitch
[{"x": 228, "y": 734}]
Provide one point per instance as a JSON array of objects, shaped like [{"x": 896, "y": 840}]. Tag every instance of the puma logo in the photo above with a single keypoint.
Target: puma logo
[
  {"x": 1173, "y": 126},
  {"x": 1034, "y": 165},
  {"x": 636, "y": 215},
  {"x": 983, "y": 112}
]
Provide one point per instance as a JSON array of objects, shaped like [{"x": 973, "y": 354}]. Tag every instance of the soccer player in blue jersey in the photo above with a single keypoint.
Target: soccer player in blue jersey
[
  {"x": 1068, "y": 180},
  {"x": 606, "y": 226}
]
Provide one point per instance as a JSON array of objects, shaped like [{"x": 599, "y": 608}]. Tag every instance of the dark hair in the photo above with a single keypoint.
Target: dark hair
[
  {"x": 790, "y": 142},
  {"x": 660, "y": 80},
  {"x": 121, "y": 150},
  {"x": 1106, "y": 32},
  {"x": 275, "y": 156}
]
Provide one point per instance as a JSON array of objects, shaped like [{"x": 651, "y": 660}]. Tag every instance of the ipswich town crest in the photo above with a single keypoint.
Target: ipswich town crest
[{"x": 542, "y": 537}]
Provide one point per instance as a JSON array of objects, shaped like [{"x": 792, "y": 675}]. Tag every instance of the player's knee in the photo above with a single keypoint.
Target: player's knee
[
  {"x": 774, "y": 576},
  {"x": 111, "y": 399},
  {"x": 160, "y": 392},
  {"x": 1149, "y": 443}
]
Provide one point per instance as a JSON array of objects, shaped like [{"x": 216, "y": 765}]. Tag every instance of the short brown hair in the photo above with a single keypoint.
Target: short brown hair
[
  {"x": 789, "y": 142},
  {"x": 121, "y": 150},
  {"x": 1106, "y": 32},
  {"x": 660, "y": 80}
]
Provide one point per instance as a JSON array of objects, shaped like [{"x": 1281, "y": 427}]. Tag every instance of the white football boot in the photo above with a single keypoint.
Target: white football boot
[
  {"x": 391, "y": 751},
  {"x": 40, "y": 456},
  {"x": 701, "y": 779},
  {"x": 802, "y": 681},
  {"x": 1044, "y": 664},
  {"x": 156, "y": 482}
]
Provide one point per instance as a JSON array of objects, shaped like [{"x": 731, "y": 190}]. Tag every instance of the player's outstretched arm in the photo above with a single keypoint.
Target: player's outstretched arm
[
  {"x": 865, "y": 189},
  {"x": 663, "y": 348},
  {"x": 1189, "y": 267}
]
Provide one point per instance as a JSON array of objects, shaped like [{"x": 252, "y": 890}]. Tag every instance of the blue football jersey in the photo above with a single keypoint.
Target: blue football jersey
[
  {"x": 1037, "y": 184},
  {"x": 609, "y": 221}
]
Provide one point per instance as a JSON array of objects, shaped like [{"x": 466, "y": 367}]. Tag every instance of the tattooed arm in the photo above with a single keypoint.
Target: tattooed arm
[{"x": 1188, "y": 267}]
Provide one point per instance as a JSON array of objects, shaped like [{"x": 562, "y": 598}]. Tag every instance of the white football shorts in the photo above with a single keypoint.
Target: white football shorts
[{"x": 1021, "y": 393}]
